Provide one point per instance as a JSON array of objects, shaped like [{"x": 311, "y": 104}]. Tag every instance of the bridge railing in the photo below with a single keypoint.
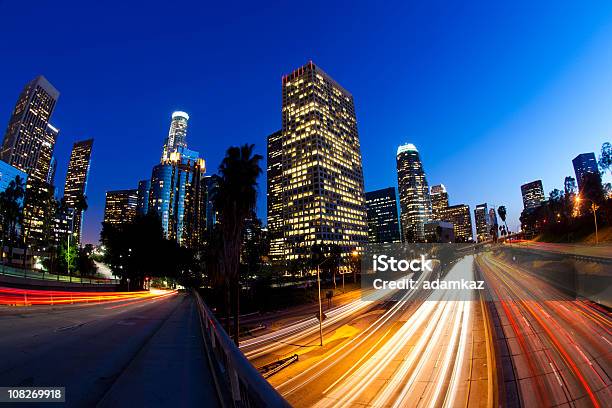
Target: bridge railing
[{"x": 238, "y": 378}]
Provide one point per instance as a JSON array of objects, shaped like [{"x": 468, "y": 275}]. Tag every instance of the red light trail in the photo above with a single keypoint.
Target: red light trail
[{"x": 31, "y": 297}]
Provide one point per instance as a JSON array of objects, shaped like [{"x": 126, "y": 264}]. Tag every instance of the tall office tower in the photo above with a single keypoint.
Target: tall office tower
[
  {"x": 171, "y": 181},
  {"x": 144, "y": 188},
  {"x": 45, "y": 156},
  {"x": 439, "y": 200},
  {"x": 75, "y": 187},
  {"x": 275, "y": 196},
  {"x": 459, "y": 215},
  {"x": 63, "y": 226},
  {"x": 481, "y": 216},
  {"x": 211, "y": 183},
  {"x": 415, "y": 203},
  {"x": 29, "y": 140},
  {"x": 584, "y": 163},
  {"x": 533, "y": 194},
  {"x": 196, "y": 196},
  {"x": 177, "y": 135},
  {"x": 120, "y": 206},
  {"x": 321, "y": 180},
  {"x": 383, "y": 225}
]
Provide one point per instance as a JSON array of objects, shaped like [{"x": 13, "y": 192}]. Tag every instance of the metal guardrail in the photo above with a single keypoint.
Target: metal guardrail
[
  {"x": 238, "y": 376},
  {"x": 11, "y": 271}
]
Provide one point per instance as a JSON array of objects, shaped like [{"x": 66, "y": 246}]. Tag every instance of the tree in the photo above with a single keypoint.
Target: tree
[
  {"x": 605, "y": 159},
  {"x": 501, "y": 211},
  {"x": 11, "y": 213},
  {"x": 235, "y": 201}
]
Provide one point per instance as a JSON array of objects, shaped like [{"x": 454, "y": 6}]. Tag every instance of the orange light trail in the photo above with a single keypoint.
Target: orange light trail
[{"x": 31, "y": 297}]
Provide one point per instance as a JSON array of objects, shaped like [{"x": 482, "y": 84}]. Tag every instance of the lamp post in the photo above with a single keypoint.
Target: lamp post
[
  {"x": 320, "y": 306},
  {"x": 594, "y": 208}
]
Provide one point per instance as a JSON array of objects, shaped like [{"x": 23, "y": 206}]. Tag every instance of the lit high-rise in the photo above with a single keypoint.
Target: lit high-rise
[
  {"x": 320, "y": 176},
  {"x": 29, "y": 140},
  {"x": 533, "y": 194},
  {"x": 459, "y": 215},
  {"x": 415, "y": 203},
  {"x": 75, "y": 188},
  {"x": 439, "y": 201},
  {"x": 120, "y": 206},
  {"x": 177, "y": 135},
  {"x": 176, "y": 194},
  {"x": 483, "y": 225}
]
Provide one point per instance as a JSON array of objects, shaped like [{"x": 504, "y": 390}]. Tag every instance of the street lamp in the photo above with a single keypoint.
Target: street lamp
[
  {"x": 594, "y": 208},
  {"x": 320, "y": 306}
]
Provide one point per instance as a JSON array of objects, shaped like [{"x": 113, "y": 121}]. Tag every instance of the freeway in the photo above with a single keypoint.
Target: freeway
[
  {"x": 527, "y": 345},
  {"x": 603, "y": 250},
  {"x": 136, "y": 352}
]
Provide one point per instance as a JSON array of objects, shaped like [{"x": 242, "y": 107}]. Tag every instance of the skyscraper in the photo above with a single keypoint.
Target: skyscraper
[
  {"x": 415, "y": 203},
  {"x": 177, "y": 135},
  {"x": 275, "y": 195},
  {"x": 120, "y": 206},
  {"x": 29, "y": 141},
  {"x": 144, "y": 189},
  {"x": 383, "y": 226},
  {"x": 439, "y": 201},
  {"x": 176, "y": 192},
  {"x": 584, "y": 163},
  {"x": 481, "y": 216},
  {"x": 459, "y": 215},
  {"x": 75, "y": 188},
  {"x": 8, "y": 174},
  {"x": 320, "y": 175},
  {"x": 533, "y": 194}
]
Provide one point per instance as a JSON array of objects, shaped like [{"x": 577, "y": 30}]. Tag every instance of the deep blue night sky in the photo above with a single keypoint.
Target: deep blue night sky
[{"x": 492, "y": 95}]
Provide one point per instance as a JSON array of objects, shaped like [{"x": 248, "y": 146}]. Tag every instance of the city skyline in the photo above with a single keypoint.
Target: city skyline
[{"x": 489, "y": 126}]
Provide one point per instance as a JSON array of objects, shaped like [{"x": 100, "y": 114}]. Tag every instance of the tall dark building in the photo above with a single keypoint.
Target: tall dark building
[
  {"x": 275, "y": 195},
  {"x": 29, "y": 140},
  {"x": 533, "y": 194},
  {"x": 415, "y": 203},
  {"x": 75, "y": 187},
  {"x": 439, "y": 201},
  {"x": 144, "y": 189},
  {"x": 584, "y": 163},
  {"x": 320, "y": 176},
  {"x": 120, "y": 206},
  {"x": 211, "y": 183},
  {"x": 383, "y": 225}
]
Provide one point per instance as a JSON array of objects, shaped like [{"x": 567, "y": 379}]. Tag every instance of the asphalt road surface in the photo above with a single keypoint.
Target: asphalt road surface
[{"x": 138, "y": 353}]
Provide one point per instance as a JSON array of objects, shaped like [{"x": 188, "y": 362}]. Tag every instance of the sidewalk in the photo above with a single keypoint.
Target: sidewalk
[{"x": 170, "y": 370}]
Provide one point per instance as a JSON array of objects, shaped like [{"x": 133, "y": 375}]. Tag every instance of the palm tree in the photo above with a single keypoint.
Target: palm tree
[
  {"x": 501, "y": 211},
  {"x": 11, "y": 212},
  {"x": 235, "y": 201}
]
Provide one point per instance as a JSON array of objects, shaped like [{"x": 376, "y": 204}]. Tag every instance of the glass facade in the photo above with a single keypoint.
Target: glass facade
[
  {"x": 144, "y": 188},
  {"x": 383, "y": 225},
  {"x": 415, "y": 203},
  {"x": 481, "y": 216},
  {"x": 584, "y": 163}
]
